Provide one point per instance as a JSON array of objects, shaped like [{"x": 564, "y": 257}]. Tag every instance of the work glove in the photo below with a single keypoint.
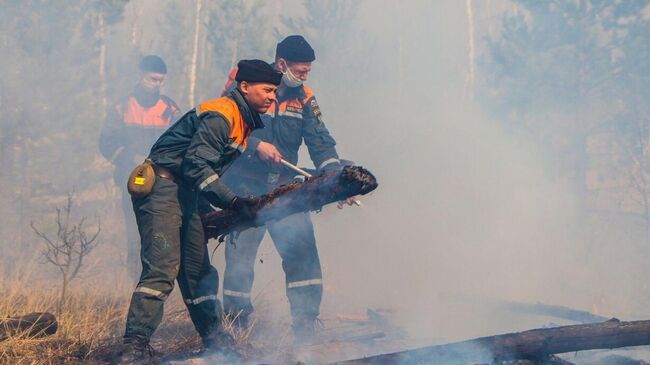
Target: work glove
[{"x": 246, "y": 206}]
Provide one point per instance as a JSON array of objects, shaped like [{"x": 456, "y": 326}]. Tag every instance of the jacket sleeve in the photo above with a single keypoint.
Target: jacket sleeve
[
  {"x": 113, "y": 134},
  {"x": 251, "y": 147},
  {"x": 203, "y": 160},
  {"x": 320, "y": 144}
]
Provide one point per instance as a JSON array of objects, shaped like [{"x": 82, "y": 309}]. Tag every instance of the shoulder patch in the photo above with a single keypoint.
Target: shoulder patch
[{"x": 316, "y": 110}]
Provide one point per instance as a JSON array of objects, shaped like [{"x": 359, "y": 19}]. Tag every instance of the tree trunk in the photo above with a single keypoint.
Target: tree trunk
[
  {"x": 235, "y": 52},
  {"x": 101, "y": 36},
  {"x": 135, "y": 31},
  {"x": 64, "y": 289},
  {"x": 470, "y": 50},
  {"x": 533, "y": 344},
  {"x": 195, "y": 51}
]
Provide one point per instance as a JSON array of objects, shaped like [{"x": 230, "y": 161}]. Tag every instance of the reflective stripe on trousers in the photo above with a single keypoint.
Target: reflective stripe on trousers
[
  {"x": 154, "y": 292},
  {"x": 238, "y": 294},
  {"x": 299, "y": 284},
  {"x": 200, "y": 300}
]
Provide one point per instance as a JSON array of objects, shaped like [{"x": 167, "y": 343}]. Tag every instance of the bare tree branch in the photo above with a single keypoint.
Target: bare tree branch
[{"x": 72, "y": 243}]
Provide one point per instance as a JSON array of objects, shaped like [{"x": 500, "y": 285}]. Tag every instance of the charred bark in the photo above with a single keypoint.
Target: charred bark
[
  {"x": 296, "y": 197},
  {"x": 30, "y": 325},
  {"x": 529, "y": 345}
]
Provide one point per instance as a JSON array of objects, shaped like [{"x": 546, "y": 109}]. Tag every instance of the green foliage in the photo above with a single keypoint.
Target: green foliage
[
  {"x": 51, "y": 86},
  {"x": 329, "y": 26},
  {"x": 332, "y": 28},
  {"x": 567, "y": 70},
  {"x": 237, "y": 30},
  {"x": 552, "y": 54},
  {"x": 50, "y": 101},
  {"x": 175, "y": 46},
  {"x": 325, "y": 21}
]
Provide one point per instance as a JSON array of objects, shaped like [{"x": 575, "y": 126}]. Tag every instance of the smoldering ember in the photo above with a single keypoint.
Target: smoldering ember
[{"x": 193, "y": 182}]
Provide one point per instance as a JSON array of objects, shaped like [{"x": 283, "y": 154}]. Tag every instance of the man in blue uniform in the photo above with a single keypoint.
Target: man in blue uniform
[{"x": 295, "y": 117}]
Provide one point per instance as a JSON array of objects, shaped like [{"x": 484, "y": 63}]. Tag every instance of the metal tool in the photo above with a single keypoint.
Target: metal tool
[
  {"x": 295, "y": 168},
  {"x": 308, "y": 175}
]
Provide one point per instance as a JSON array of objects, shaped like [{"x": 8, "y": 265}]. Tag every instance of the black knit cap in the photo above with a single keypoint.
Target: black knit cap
[
  {"x": 152, "y": 63},
  {"x": 295, "y": 48},
  {"x": 257, "y": 71}
]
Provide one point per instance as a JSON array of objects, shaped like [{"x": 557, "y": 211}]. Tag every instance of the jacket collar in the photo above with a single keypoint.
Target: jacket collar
[
  {"x": 293, "y": 93},
  {"x": 251, "y": 117}
]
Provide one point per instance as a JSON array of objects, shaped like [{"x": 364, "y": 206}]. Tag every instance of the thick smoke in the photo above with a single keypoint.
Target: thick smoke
[{"x": 468, "y": 212}]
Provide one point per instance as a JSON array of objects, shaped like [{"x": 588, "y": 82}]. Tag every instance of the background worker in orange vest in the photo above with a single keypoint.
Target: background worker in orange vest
[{"x": 131, "y": 128}]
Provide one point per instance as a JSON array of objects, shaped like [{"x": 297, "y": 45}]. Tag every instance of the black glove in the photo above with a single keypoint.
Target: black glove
[{"x": 245, "y": 206}]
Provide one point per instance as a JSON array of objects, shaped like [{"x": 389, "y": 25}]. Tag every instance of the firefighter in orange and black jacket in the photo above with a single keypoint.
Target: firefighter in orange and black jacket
[
  {"x": 189, "y": 160},
  {"x": 131, "y": 128},
  {"x": 293, "y": 118}
]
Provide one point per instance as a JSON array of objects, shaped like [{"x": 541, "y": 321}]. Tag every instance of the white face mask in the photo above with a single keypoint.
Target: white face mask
[{"x": 289, "y": 79}]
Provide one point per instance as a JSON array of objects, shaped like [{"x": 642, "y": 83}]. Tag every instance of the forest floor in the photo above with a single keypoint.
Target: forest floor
[{"x": 91, "y": 325}]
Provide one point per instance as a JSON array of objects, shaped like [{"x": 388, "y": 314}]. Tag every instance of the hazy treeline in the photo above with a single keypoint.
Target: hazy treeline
[
  {"x": 65, "y": 62},
  {"x": 573, "y": 76}
]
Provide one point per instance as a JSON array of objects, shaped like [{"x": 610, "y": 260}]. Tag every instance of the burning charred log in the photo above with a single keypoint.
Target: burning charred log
[
  {"x": 536, "y": 345},
  {"x": 295, "y": 197},
  {"x": 30, "y": 325}
]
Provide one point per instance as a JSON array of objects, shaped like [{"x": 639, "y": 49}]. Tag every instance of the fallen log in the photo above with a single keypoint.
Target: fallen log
[
  {"x": 556, "y": 311},
  {"x": 527, "y": 345},
  {"x": 296, "y": 197},
  {"x": 29, "y": 325}
]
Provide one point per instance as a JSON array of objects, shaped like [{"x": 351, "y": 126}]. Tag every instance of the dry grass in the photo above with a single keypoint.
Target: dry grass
[
  {"x": 267, "y": 338},
  {"x": 87, "y": 322},
  {"x": 91, "y": 323}
]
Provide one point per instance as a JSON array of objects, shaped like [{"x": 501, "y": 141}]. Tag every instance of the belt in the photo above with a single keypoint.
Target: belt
[{"x": 163, "y": 172}]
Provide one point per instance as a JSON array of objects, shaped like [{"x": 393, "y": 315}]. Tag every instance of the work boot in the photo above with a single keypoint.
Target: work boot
[
  {"x": 135, "y": 350},
  {"x": 220, "y": 345}
]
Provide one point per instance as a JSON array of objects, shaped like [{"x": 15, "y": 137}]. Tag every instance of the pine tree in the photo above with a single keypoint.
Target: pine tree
[{"x": 555, "y": 70}]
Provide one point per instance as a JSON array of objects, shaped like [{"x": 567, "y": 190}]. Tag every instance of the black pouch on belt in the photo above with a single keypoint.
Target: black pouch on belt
[{"x": 141, "y": 180}]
